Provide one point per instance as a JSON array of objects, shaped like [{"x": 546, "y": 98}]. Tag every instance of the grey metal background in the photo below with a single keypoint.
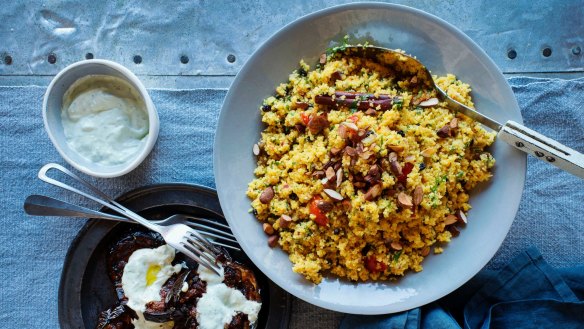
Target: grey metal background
[{"x": 208, "y": 32}]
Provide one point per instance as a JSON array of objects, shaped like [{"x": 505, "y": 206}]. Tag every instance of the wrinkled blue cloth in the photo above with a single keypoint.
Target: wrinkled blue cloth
[
  {"x": 527, "y": 293},
  {"x": 30, "y": 266}
]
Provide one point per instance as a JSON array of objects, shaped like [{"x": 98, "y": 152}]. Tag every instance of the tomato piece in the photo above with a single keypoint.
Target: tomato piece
[
  {"x": 373, "y": 265},
  {"x": 305, "y": 118},
  {"x": 354, "y": 118},
  {"x": 320, "y": 218},
  {"x": 408, "y": 166}
]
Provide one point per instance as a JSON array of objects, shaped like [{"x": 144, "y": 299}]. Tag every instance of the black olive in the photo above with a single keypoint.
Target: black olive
[
  {"x": 369, "y": 133},
  {"x": 422, "y": 166},
  {"x": 336, "y": 231},
  {"x": 254, "y": 212},
  {"x": 302, "y": 72},
  {"x": 293, "y": 196},
  {"x": 401, "y": 133},
  {"x": 286, "y": 130},
  {"x": 266, "y": 108}
]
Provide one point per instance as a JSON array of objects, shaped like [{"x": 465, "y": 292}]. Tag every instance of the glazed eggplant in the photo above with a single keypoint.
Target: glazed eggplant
[
  {"x": 118, "y": 317},
  {"x": 179, "y": 294}
]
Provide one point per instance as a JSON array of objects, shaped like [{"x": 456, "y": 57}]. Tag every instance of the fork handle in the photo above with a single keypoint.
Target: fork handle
[
  {"x": 103, "y": 198},
  {"x": 40, "y": 205},
  {"x": 543, "y": 148}
]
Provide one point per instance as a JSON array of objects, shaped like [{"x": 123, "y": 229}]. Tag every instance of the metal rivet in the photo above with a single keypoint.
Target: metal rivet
[
  {"x": 576, "y": 50},
  {"x": 550, "y": 159},
  {"x": 512, "y": 54},
  {"x": 8, "y": 60},
  {"x": 89, "y": 56},
  {"x": 538, "y": 154},
  {"x": 547, "y": 52},
  {"x": 52, "y": 58},
  {"x": 231, "y": 58},
  {"x": 137, "y": 59},
  {"x": 184, "y": 59},
  {"x": 519, "y": 144}
]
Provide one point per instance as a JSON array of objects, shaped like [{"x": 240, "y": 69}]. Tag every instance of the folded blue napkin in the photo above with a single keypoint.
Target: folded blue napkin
[{"x": 527, "y": 293}]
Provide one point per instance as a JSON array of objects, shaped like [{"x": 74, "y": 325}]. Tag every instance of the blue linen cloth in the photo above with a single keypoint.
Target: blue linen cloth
[
  {"x": 527, "y": 293},
  {"x": 32, "y": 249}
]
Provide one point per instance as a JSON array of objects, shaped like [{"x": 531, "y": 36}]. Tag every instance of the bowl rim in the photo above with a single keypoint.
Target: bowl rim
[
  {"x": 153, "y": 119},
  {"x": 220, "y": 181}
]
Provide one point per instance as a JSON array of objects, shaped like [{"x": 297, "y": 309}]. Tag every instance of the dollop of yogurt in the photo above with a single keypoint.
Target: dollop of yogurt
[
  {"x": 104, "y": 119},
  {"x": 220, "y": 303},
  {"x": 144, "y": 275}
]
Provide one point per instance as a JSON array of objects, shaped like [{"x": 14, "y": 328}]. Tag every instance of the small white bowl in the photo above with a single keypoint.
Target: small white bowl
[{"x": 52, "y": 107}]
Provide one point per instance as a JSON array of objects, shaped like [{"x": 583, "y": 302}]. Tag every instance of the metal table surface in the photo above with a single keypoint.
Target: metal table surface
[{"x": 203, "y": 44}]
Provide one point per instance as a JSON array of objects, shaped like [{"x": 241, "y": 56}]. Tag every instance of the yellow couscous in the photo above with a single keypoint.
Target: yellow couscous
[{"x": 362, "y": 173}]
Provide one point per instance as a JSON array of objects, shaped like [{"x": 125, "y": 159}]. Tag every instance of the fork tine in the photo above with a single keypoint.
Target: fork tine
[
  {"x": 204, "y": 253},
  {"x": 206, "y": 244},
  {"x": 217, "y": 237},
  {"x": 208, "y": 221},
  {"x": 226, "y": 245},
  {"x": 199, "y": 226},
  {"x": 193, "y": 254}
]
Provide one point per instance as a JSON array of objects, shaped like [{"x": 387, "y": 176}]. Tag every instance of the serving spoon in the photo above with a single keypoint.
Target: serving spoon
[{"x": 513, "y": 133}]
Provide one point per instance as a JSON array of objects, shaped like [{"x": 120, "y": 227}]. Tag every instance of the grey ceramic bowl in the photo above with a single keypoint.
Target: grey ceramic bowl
[
  {"x": 52, "y": 105},
  {"x": 444, "y": 49}
]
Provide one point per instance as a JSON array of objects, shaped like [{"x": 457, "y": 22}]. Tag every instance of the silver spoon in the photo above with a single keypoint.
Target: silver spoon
[{"x": 513, "y": 133}]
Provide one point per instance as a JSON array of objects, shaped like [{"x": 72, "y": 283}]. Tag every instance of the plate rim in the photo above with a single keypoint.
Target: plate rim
[
  {"x": 482, "y": 56},
  {"x": 280, "y": 299}
]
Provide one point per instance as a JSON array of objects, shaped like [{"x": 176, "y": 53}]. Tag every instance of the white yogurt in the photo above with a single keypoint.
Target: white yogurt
[
  {"x": 144, "y": 275},
  {"x": 220, "y": 303},
  {"x": 104, "y": 119}
]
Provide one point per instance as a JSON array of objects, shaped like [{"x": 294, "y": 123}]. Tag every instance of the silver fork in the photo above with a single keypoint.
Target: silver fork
[
  {"x": 179, "y": 236},
  {"x": 41, "y": 205}
]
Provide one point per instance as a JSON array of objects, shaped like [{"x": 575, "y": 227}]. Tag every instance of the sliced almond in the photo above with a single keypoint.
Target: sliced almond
[
  {"x": 333, "y": 194},
  {"x": 343, "y": 131},
  {"x": 396, "y": 245},
  {"x": 450, "y": 219},
  {"x": 350, "y": 151},
  {"x": 322, "y": 59},
  {"x": 272, "y": 241},
  {"x": 392, "y": 157},
  {"x": 429, "y": 102},
  {"x": 285, "y": 221},
  {"x": 404, "y": 200},
  {"x": 418, "y": 195},
  {"x": 396, "y": 168},
  {"x": 461, "y": 216},
  {"x": 339, "y": 177},
  {"x": 324, "y": 181},
  {"x": 397, "y": 148},
  {"x": 350, "y": 125},
  {"x": 267, "y": 195},
  {"x": 324, "y": 206},
  {"x": 410, "y": 158},
  {"x": 256, "y": 149},
  {"x": 373, "y": 192},
  {"x": 425, "y": 252},
  {"x": 453, "y": 123},
  {"x": 366, "y": 155},
  {"x": 268, "y": 229},
  {"x": 428, "y": 152},
  {"x": 444, "y": 131},
  {"x": 319, "y": 174},
  {"x": 330, "y": 173},
  {"x": 335, "y": 150}
]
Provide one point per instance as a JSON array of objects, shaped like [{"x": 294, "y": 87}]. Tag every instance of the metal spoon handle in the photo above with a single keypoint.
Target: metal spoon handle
[
  {"x": 543, "y": 148},
  {"x": 40, "y": 205},
  {"x": 98, "y": 196}
]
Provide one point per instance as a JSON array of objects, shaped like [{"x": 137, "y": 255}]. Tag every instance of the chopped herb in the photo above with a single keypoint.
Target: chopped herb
[
  {"x": 341, "y": 47},
  {"x": 396, "y": 256}
]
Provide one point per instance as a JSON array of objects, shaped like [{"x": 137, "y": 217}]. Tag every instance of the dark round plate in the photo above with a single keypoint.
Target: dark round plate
[{"x": 85, "y": 289}]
